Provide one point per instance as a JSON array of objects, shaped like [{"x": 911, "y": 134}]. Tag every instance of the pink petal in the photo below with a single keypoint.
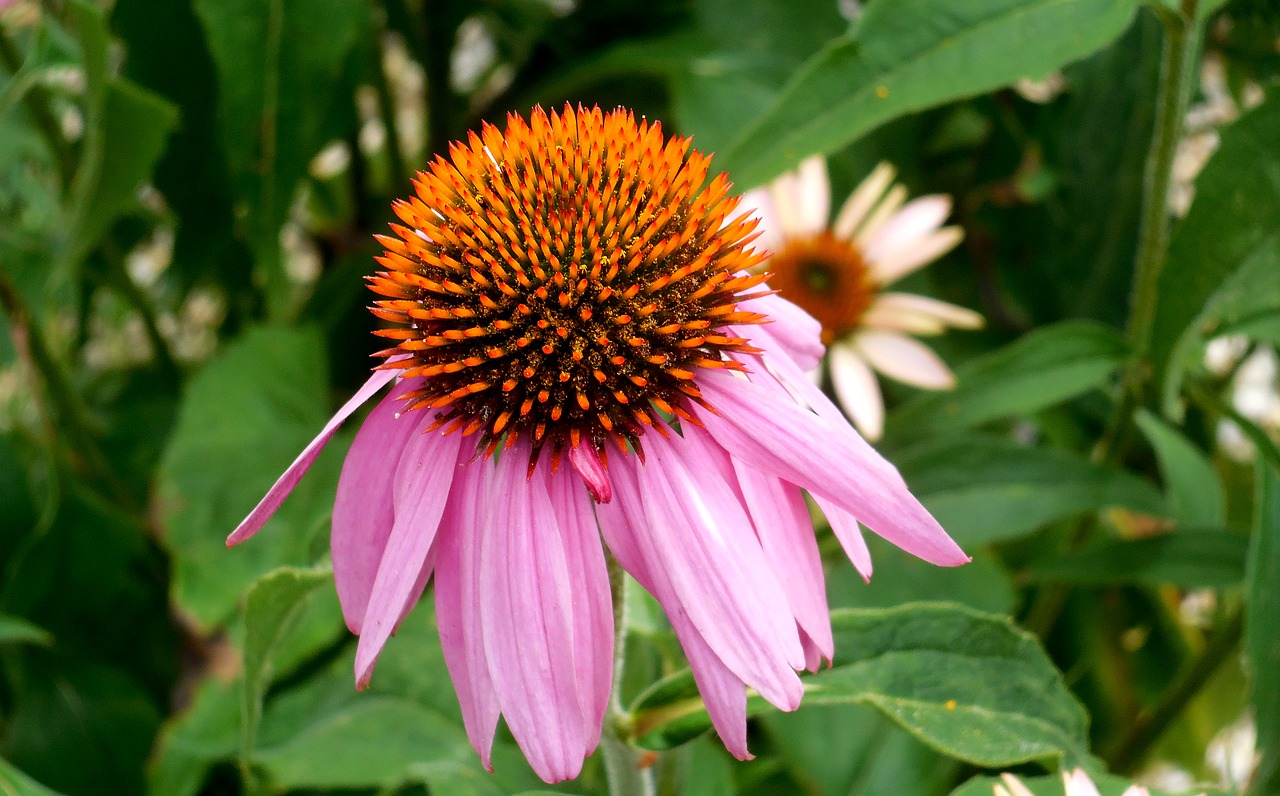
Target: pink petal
[
  {"x": 700, "y": 536},
  {"x": 457, "y": 593},
  {"x": 289, "y": 479},
  {"x": 586, "y": 461},
  {"x": 525, "y": 598},
  {"x": 905, "y": 359},
  {"x": 422, "y": 482},
  {"x": 772, "y": 434},
  {"x": 782, "y": 524},
  {"x": 792, "y": 331},
  {"x": 363, "y": 509},
  {"x": 857, "y": 389},
  {"x": 846, "y": 530},
  {"x": 724, "y": 694},
  {"x": 592, "y": 605}
]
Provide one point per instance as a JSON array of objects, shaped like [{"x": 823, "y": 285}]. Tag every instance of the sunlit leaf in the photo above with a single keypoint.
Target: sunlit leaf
[
  {"x": 906, "y": 55},
  {"x": 970, "y": 685}
]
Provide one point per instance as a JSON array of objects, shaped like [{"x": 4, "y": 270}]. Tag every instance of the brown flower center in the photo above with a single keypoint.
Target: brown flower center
[
  {"x": 564, "y": 279},
  {"x": 828, "y": 278}
]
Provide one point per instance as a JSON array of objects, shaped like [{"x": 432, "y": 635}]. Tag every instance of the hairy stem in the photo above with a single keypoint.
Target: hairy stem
[{"x": 621, "y": 760}]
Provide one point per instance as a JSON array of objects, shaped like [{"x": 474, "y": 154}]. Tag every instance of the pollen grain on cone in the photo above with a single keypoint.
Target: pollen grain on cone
[{"x": 564, "y": 280}]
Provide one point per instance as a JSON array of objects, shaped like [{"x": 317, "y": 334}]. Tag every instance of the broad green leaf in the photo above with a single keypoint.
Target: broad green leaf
[
  {"x": 1262, "y": 626},
  {"x": 15, "y": 783},
  {"x": 271, "y": 609},
  {"x": 203, "y": 733},
  {"x": 1187, "y": 558},
  {"x": 1191, "y": 483},
  {"x": 16, "y": 630},
  {"x": 279, "y": 65},
  {"x": 852, "y": 749},
  {"x": 243, "y": 419},
  {"x": 1224, "y": 255},
  {"x": 970, "y": 685},
  {"x": 1036, "y": 371},
  {"x": 983, "y": 489},
  {"x": 371, "y": 742},
  {"x": 907, "y": 55}
]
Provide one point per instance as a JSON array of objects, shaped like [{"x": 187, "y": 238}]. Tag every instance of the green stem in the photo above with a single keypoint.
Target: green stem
[
  {"x": 387, "y": 110},
  {"x": 622, "y": 763},
  {"x": 36, "y": 101},
  {"x": 1178, "y": 75},
  {"x": 1130, "y": 751},
  {"x": 118, "y": 280}
]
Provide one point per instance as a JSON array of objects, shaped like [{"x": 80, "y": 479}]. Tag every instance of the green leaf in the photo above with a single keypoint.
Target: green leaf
[
  {"x": 191, "y": 741},
  {"x": 983, "y": 489},
  {"x": 371, "y": 742},
  {"x": 1262, "y": 626},
  {"x": 1190, "y": 558},
  {"x": 271, "y": 609},
  {"x": 1036, "y": 371},
  {"x": 125, "y": 131},
  {"x": 15, "y": 783},
  {"x": 243, "y": 419},
  {"x": 1224, "y": 255},
  {"x": 970, "y": 685},
  {"x": 279, "y": 65},
  {"x": 16, "y": 630},
  {"x": 907, "y": 55},
  {"x": 900, "y": 577},
  {"x": 1191, "y": 483}
]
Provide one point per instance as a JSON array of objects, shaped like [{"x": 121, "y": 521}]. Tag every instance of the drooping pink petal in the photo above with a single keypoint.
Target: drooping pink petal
[
  {"x": 457, "y": 593},
  {"x": 905, "y": 359},
  {"x": 586, "y": 462},
  {"x": 421, "y": 485},
  {"x": 592, "y": 606},
  {"x": 723, "y": 692},
  {"x": 846, "y": 530},
  {"x": 289, "y": 479},
  {"x": 782, "y": 524},
  {"x": 525, "y": 597},
  {"x": 769, "y": 432},
  {"x": 857, "y": 389},
  {"x": 363, "y": 509},
  {"x": 700, "y": 536}
]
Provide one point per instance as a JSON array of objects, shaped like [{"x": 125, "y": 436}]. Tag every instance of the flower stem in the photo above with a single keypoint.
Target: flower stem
[
  {"x": 1178, "y": 74},
  {"x": 621, "y": 760}
]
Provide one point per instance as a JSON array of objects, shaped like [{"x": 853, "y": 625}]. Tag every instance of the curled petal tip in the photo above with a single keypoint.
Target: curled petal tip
[{"x": 586, "y": 461}]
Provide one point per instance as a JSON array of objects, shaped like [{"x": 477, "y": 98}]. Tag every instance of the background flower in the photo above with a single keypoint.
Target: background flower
[{"x": 838, "y": 272}]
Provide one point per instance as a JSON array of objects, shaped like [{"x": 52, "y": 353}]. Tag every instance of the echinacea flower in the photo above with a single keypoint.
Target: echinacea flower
[
  {"x": 838, "y": 271},
  {"x": 579, "y": 354}
]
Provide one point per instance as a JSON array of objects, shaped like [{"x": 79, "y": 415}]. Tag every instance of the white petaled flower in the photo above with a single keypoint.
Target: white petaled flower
[
  {"x": 1074, "y": 783},
  {"x": 839, "y": 271}
]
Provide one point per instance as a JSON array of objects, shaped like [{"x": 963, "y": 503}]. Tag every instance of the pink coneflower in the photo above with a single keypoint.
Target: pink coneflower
[
  {"x": 838, "y": 272},
  {"x": 582, "y": 350}
]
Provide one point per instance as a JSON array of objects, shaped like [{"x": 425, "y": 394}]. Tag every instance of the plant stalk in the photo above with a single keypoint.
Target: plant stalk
[{"x": 622, "y": 761}]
